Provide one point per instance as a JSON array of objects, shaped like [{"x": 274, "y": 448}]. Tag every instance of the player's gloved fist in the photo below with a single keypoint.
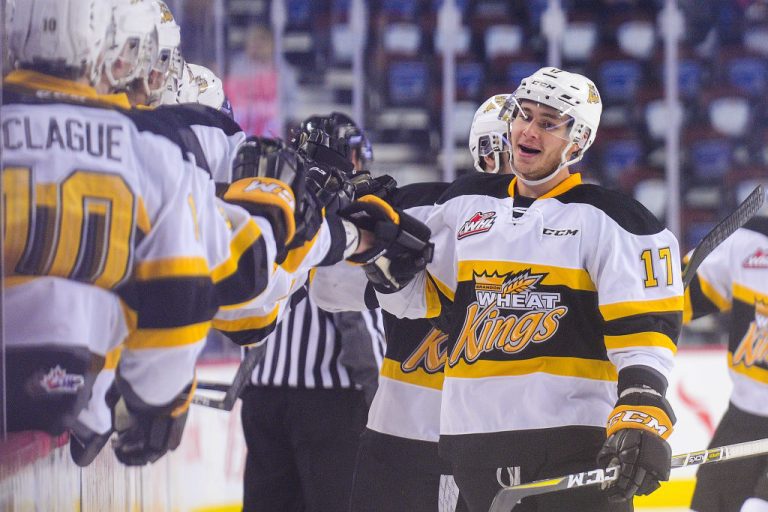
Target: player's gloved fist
[
  {"x": 400, "y": 247},
  {"x": 329, "y": 185},
  {"x": 363, "y": 184},
  {"x": 146, "y": 433},
  {"x": 84, "y": 443},
  {"x": 637, "y": 431},
  {"x": 269, "y": 198}
]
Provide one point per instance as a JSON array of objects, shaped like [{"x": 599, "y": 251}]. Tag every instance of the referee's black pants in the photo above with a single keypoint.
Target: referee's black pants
[{"x": 301, "y": 445}]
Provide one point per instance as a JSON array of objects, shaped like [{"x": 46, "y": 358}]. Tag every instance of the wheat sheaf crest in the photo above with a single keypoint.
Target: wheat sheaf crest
[{"x": 521, "y": 282}]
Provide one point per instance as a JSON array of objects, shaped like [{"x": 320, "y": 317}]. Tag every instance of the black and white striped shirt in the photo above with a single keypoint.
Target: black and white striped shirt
[{"x": 306, "y": 349}]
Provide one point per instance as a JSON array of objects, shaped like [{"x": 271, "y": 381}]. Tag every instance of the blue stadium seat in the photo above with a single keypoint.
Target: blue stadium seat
[
  {"x": 710, "y": 155},
  {"x": 470, "y": 78},
  {"x": 519, "y": 69},
  {"x": 299, "y": 14},
  {"x": 407, "y": 83},
  {"x": 619, "y": 80},
  {"x": 619, "y": 155},
  {"x": 690, "y": 78},
  {"x": 749, "y": 73}
]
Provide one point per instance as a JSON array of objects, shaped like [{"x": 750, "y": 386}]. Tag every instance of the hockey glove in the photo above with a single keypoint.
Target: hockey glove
[
  {"x": 84, "y": 443},
  {"x": 363, "y": 184},
  {"x": 144, "y": 434},
  {"x": 401, "y": 245},
  {"x": 295, "y": 217},
  {"x": 637, "y": 431}
]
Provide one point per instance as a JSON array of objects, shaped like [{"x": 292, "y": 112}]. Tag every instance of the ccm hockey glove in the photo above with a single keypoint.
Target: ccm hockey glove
[
  {"x": 637, "y": 431},
  {"x": 401, "y": 245}
]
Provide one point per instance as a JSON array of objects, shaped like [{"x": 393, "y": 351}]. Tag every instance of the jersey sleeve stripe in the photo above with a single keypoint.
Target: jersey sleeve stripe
[
  {"x": 631, "y": 308},
  {"x": 247, "y": 322},
  {"x": 171, "y": 267},
  {"x": 747, "y": 295},
  {"x": 419, "y": 377},
  {"x": 142, "y": 339},
  {"x": 432, "y": 297},
  {"x": 563, "y": 366},
  {"x": 296, "y": 256},
  {"x": 240, "y": 243},
  {"x": 112, "y": 358},
  {"x": 640, "y": 339},
  {"x": 250, "y": 279},
  {"x": 575, "y": 279},
  {"x": 151, "y": 299}
]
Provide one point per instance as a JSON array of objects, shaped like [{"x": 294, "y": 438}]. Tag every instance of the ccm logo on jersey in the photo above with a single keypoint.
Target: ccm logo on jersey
[
  {"x": 480, "y": 222},
  {"x": 759, "y": 259},
  {"x": 560, "y": 232}
]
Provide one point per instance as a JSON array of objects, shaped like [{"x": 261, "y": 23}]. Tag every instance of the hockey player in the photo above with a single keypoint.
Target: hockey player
[
  {"x": 404, "y": 420},
  {"x": 306, "y": 403},
  {"x": 734, "y": 279},
  {"x": 103, "y": 207},
  {"x": 562, "y": 303}
]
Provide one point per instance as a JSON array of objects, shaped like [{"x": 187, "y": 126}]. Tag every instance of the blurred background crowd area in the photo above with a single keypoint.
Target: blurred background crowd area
[{"x": 721, "y": 65}]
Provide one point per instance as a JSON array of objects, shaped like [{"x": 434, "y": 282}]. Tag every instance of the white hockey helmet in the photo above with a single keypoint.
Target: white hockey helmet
[
  {"x": 63, "y": 38},
  {"x": 488, "y": 134},
  {"x": 576, "y": 99},
  {"x": 131, "y": 44},
  {"x": 210, "y": 89},
  {"x": 168, "y": 41}
]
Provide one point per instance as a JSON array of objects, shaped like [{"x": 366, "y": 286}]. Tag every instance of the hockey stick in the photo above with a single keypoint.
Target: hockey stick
[
  {"x": 506, "y": 499},
  {"x": 254, "y": 355},
  {"x": 723, "y": 230}
]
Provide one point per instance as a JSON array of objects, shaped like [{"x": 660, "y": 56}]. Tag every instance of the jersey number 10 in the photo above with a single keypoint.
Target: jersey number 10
[{"x": 81, "y": 228}]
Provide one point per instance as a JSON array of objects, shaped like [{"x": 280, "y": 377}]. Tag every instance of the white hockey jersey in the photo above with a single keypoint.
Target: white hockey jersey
[
  {"x": 112, "y": 235},
  {"x": 544, "y": 310},
  {"x": 734, "y": 278}
]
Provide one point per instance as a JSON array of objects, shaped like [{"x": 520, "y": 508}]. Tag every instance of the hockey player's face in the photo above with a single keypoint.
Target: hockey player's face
[{"x": 538, "y": 135}]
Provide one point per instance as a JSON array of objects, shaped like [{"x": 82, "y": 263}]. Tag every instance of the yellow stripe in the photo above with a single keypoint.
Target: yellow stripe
[
  {"x": 709, "y": 292},
  {"x": 172, "y": 267},
  {"x": 444, "y": 288},
  {"x": 112, "y": 358},
  {"x": 242, "y": 241},
  {"x": 247, "y": 323},
  {"x": 567, "y": 184},
  {"x": 383, "y": 206},
  {"x": 142, "y": 217},
  {"x": 688, "y": 306},
  {"x": 540, "y": 483},
  {"x": 434, "y": 307},
  {"x": 748, "y": 295},
  {"x": 296, "y": 256},
  {"x": 166, "y": 338},
  {"x": 11, "y": 281},
  {"x": 181, "y": 409},
  {"x": 573, "y": 278},
  {"x": 640, "y": 339},
  {"x": 640, "y": 307},
  {"x": 419, "y": 377},
  {"x": 563, "y": 366},
  {"x": 755, "y": 373}
]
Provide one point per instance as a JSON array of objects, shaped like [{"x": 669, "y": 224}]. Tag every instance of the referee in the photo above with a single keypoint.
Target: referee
[{"x": 308, "y": 400}]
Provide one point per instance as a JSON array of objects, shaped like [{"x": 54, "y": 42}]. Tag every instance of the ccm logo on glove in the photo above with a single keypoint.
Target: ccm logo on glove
[{"x": 652, "y": 419}]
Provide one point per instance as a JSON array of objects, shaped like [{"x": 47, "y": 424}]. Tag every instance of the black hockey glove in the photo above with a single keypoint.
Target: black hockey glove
[
  {"x": 364, "y": 184},
  {"x": 401, "y": 243},
  {"x": 146, "y": 433},
  {"x": 637, "y": 431},
  {"x": 84, "y": 443}
]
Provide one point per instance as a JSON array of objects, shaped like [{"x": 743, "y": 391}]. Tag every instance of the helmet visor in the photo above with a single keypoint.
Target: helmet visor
[{"x": 540, "y": 116}]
